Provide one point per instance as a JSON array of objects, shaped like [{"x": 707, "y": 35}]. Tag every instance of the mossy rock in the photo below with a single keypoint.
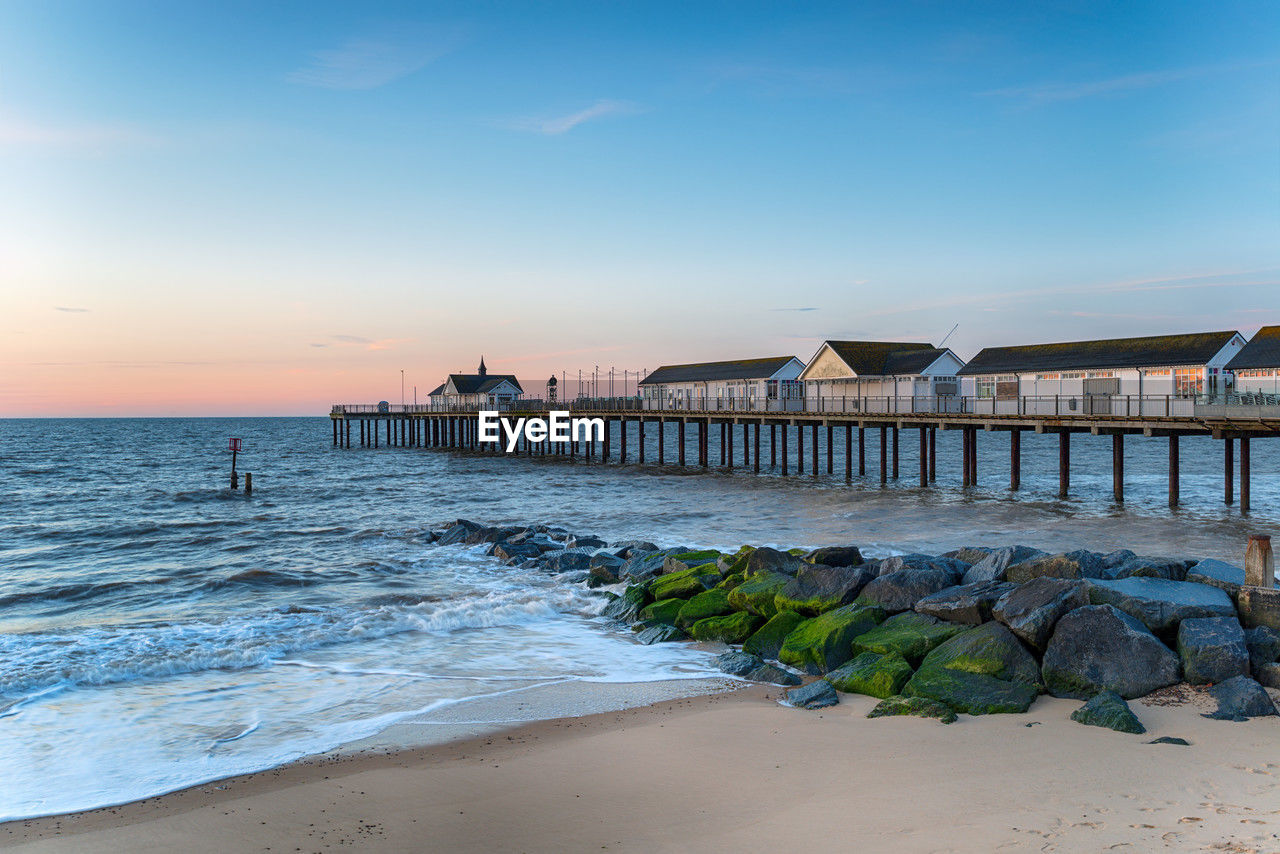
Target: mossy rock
[
  {"x": 756, "y": 595},
  {"x": 731, "y": 581},
  {"x": 662, "y": 611},
  {"x": 872, "y": 674},
  {"x": 797, "y": 552},
  {"x": 681, "y": 585},
  {"x": 680, "y": 561},
  {"x": 732, "y": 628},
  {"x": 627, "y": 606},
  {"x": 971, "y": 693},
  {"x": 988, "y": 650},
  {"x": 918, "y": 706},
  {"x": 661, "y": 634},
  {"x": 767, "y": 642},
  {"x": 1108, "y": 709},
  {"x": 910, "y": 635},
  {"x": 736, "y": 563},
  {"x": 709, "y": 603},
  {"x": 824, "y": 643}
]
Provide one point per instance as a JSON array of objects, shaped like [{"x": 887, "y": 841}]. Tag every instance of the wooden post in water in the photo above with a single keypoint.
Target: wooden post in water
[
  {"x": 1064, "y": 463},
  {"x": 815, "y": 449},
  {"x": 1015, "y": 460},
  {"x": 680, "y": 438},
  {"x": 800, "y": 449},
  {"x": 1173, "y": 470},
  {"x": 346, "y": 426},
  {"x": 973, "y": 456},
  {"x": 895, "y": 452},
  {"x": 726, "y": 440},
  {"x": 933, "y": 454},
  {"x": 964, "y": 457},
  {"x": 755, "y": 457},
  {"x": 1244, "y": 474},
  {"x": 773, "y": 446},
  {"x": 884, "y": 455},
  {"x": 746, "y": 443},
  {"x": 1117, "y": 467},
  {"x": 662, "y": 435},
  {"x": 335, "y": 432},
  {"x": 622, "y": 442},
  {"x": 784, "y": 448},
  {"x": 248, "y": 483},
  {"x": 924, "y": 457},
  {"x": 830, "y": 452},
  {"x": 848, "y": 452},
  {"x": 723, "y": 444},
  {"x": 862, "y": 451},
  {"x": 1228, "y": 475},
  {"x": 640, "y": 439}
]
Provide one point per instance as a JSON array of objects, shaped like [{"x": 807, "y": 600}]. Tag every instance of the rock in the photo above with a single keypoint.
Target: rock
[
  {"x": 631, "y": 548},
  {"x": 1169, "y": 739},
  {"x": 1212, "y": 649},
  {"x": 1264, "y": 646},
  {"x": 1268, "y": 674},
  {"x": 1031, "y": 610},
  {"x": 920, "y": 707},
  {"x": 660, "y": 634},
  {"x": 824, "y": 643},
  {"x": 608, "y": 559},
  {"x": 1099, "y": 648},
  {"x": 1219, "y": 574},
  {"x": 969, "y": 554},
  {"x": 817, "y": 589},
  {"x": 566, "y": 561},
  {"x": 752, "y": 667},
  {"x": 1239, "y": 698},
  {"x": 1259, "y": 606},
  {"x": 1108, "y": 709},
  {"x": 765, "y": 561},
  {"x": 835, "y": 556},
  {"x": 993, "y": 566},
  {"x": 627, "y": 606},
  {"x": 709, "y": 603},
  {"x": 1077, "y": 564},
  {"x": 1162, "y": 604},
  {"x": 1116, "y": 558},
  {"x": 732, "y": 628},
  {"x": 506, "y": 551},
  {"x": 971, "y": 693},
  {"x": 872, "y": 674},
  {"x": 980, "y": 671},
  {"x": 458, "y": 533},
  {"x": 969, "y": 604},
  {"x": 662, "y": 611},
  {"x": 897, "y": 563},
  {"x": 736, "y": 563},
  {"x": 682, "y": 561},
  {"x": 683, "y": 584},
  {"x": 899, "y": 591},
  {"x": 757, "y": 594},
  {"x": 989, "y": 649},
  {"x": 602, "y": 576},
  {"x": 1174, "y": 569},
  {"x": 767, "y": 641},
  {"x": 909, "y": 635},
  {"x": 816, "y": 695},
  {"x": 646, "y": 565},
  {"x": 585, "y": 543}
]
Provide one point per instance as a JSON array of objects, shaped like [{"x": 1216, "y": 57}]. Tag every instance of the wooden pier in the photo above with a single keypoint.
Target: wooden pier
[{"x": 425, "y": 427}]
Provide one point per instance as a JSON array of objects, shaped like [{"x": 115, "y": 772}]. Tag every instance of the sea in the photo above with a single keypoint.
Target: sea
[{"x": 159, "y": 630}]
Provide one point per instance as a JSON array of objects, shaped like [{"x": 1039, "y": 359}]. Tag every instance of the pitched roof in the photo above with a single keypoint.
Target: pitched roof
[
  {"x": 885, "y": 358},
  {"x": 1262, "y": 351},
  {"x": 734, "y": 369},
  {"x": 1195, "y": 348},
  {"x": 478, "y": 383}
]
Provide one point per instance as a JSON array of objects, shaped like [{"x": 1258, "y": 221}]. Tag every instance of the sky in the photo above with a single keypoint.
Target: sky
[{"x": 267, "y": 208}]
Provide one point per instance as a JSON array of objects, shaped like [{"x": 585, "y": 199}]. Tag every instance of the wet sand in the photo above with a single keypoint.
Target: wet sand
[{"x": 736, "y": 771}]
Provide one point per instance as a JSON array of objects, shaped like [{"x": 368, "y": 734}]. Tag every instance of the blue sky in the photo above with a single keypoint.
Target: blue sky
[{"x": 300, "y": 200}]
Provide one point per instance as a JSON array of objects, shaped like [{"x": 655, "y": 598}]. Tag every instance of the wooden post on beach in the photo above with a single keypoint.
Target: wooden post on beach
[
  {"x": 1173, "y": 471},
  {"x": 1244, "y": 474},
  {"x": 1259, "y": 563},
  {"x": 1228, "y": 476},
  {"x": 1117, "y": 467},
  {"x": 1015, "y": 460}
]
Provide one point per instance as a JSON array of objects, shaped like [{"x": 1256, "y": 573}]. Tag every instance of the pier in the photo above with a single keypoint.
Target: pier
[{"x": 745, "y": 428}]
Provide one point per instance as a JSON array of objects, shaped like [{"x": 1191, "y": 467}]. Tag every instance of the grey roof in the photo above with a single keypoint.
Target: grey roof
[
  {"x": 885, "y": 358},
  {"x": 734, "y": 369},
  {"x": 1262, "y": 351},
  {"x": 1195, "y": 348},
  {"x": 477, "y": 383}
]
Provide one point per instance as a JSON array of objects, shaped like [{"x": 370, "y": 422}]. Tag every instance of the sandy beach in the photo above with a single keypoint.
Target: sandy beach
[{"x": 737, "y": 771}]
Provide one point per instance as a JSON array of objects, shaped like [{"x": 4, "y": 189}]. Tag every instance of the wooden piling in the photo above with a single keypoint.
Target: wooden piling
[
  {"x": 1173, "y": 470},
  {"x": 1117, "y": 467},
  {"x": 746, "y": 444},
  {"x": 640, "y": 439},
  {"x": 830, "y": 452},
  {"x": 895, "y": 452},
  {"x": 726, "y": 443},
  {"x": 799, "y": 449},
  {"x": 884, "y": 455},
  {"x": 1064, "y": 463},
  {"x": 964, "y": 457},
  {"x": 773, "y": 446},
  {"x": 248, "y": 483},
  {"x": 622, "y": 439},
  {"x": 1259, "y": 562},
  {"x": 680, "y": 438},
  {"x": 784, "y": 448},
  {"x": 1244, "y": 474},
  {"x": 924, "y": 457},
  {"x": 815, "y": 449},
  {"x": 755, "y": 457},
  {"x": 933, "y": 454},
  {"x": 1228, "y": 475},
  {"x": 662, "y": 435},
  {"x": 1015, "y": 460},
  {"x": 848, "y": 452},
  {"x": 862, "y": 451}
]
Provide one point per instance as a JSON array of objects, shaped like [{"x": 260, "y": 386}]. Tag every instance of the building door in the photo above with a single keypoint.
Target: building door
[{"x": 1097, "y": 395}]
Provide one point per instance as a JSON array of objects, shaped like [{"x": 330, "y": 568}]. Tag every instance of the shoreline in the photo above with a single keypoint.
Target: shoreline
[{"x": 736, "y": 769}]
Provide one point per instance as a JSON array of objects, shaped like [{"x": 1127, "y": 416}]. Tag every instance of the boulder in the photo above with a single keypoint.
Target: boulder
[
  {"x": 1030, "y": 610},
  {"x": 684, "y": 584},
  {"x": 816, "y": 695},
  {"x": 458, "y": 532},
  {"x": 1259, "y": 606},
  {"x": 756, "y": 595},
  {"x": 1239, "y": 698},
  {"x": 632, "y": 548},
  {"x": 899, "y": 591},
  {"x": 909, "y": 635},
  {"x": 731, "y": 581},
  {"x": 662, "y": 611},
  {"x": 969, "y": 554},
  {"x": 766, "y": 561},
  {"x": 1077, "y": 564},
  {"x": 660, "y": 634},
  {"x": 969, "y": 604},
  {"x": 709, "y": 603},
  {"x": 608, "y": 559},
  {"x": 1174, "y": 569},
  {"x": 566, "y": 561},
  {"x": 627, "y": 606},
  {"x": 897, "y": 563},
  {"x": 1268, "y": 674},
  {"x": 506, "y": 551},
  {"x": 732, "y": 628},
  {"x": 817, "y": 589},
  {"x": 682, "y": 561},
  {"x": 586, "y": 542},
  {"x": 752, "y": 667},
  {"x": 1099, "y": 648},
  {"x": 1212, "y": 649},
  {"x": 919, "y": 707},
  {"x": 1264, "y": 646},
  {"x": 1161, "y": 604},
  {"x": 767, "y": 641},
  {"x": 602, "y": 576},
  {"x": 1219, "y": 574},
  {"x": 736, "y": 563},
  {"x": 993, "y": 566},
  {"x": 646, "y": 565},
  {"x": 835, "y": 556},
  {"x": 971, "y": 693},
  {"x": 872, "y": 674},
  {"x": 824, "y": 643},
  {"x": 1108, "y": 709},
  {"x": 989, "y": 649},
  {"x": 981, "y": 671},
  {"x": 1116, "y": 558}
]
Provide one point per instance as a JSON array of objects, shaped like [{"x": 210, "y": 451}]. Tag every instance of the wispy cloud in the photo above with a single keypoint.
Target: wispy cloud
[
  {"x": 806, "y": 308},
  {"x": 367, "y": 343},
  {"x": 69, "y": 309},
  {"x": 370, "y": 62},
  {"x": 351, "y": 339},
  {"x": 319, "y": 345},
  {"x": 1050, "y": 92},
  {"x": 557, "y": 125}
]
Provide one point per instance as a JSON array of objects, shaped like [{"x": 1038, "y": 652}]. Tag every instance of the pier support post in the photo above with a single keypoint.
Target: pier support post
[
  {"x": 815, "y": 449},
  {"x": 924, "y": 457},
  {"x": 373, "y": 429},
  {"x": 705, "y": 424},
  {"x": 362, "y": 432},
  {"x": 773, "y": 446},
  {"x": 335, "y": 432},
  {"x": 973, "y": 456},
  {"x": 1228, "y": 475},
  {"x": 622, "y": 440},
  {"x": 895, "y": 453},
  {"x": 784, "y": 449},
  {"x": 964, "y": 457},
  {"x": 662, "y": 437},
  {"x": 848, "y": 452},
  {"x": 1117, "y": 467},
  {"x": 862, "y": 451},
  {"x": 830, "y": 451},
  {"x": 1244, "y": 474},
  {"x": 640, "y": 439},
  {"x": 755, "y": 456},
  {"x": 1064, "y": 463},
  {"x": 680, "y": 438},
  {"x": 933, "y": 454},
  {"x": 884, "y": 455},
  {"x": 346, "y": 427},
  {"x": 1015, "y": 460},
  {"x": 724, "y": 428},
  {"x": 746, "y": 444},
  {"x": 799, "y": 449},
  {"x": 1173, "y": 471}
]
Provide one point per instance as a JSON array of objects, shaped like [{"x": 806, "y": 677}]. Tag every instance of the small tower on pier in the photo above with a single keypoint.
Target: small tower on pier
[{"x": 551, "y": 389}]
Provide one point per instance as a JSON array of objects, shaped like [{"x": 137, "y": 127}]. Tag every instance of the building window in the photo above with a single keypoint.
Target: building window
[
  {"x": 1187, "y": 382},
  {"x": 986, "y": 386}
]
